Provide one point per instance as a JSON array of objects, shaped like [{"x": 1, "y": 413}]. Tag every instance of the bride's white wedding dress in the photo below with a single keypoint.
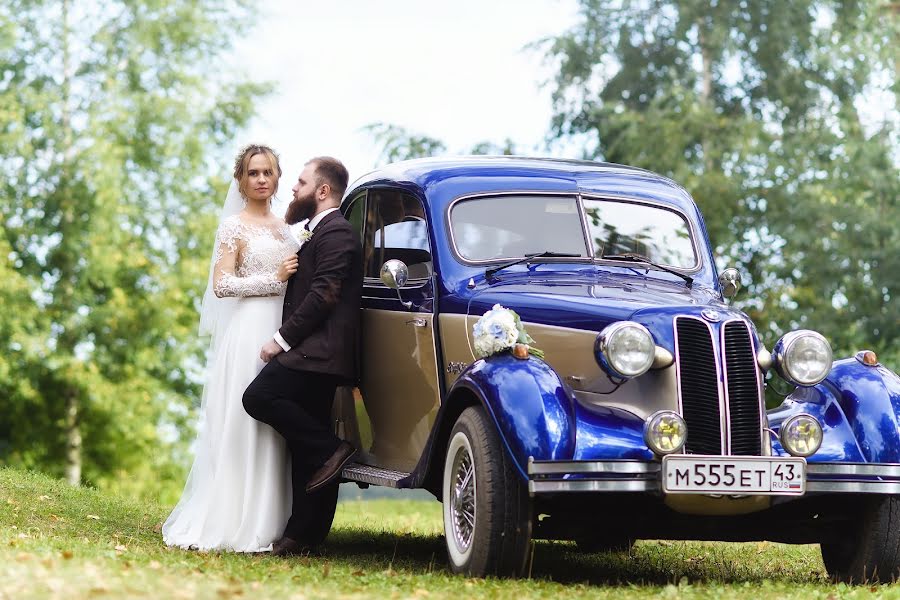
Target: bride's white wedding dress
[{"x": 238, "y": 493}]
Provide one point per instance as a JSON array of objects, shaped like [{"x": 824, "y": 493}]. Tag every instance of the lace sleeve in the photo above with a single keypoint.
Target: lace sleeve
[{"x": 226, "y": 283}]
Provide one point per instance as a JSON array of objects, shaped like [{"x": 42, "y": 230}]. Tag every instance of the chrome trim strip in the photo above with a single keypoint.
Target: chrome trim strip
[
  {"x": 587, "y": 485},
  {"x": 585, "y": 230},
  {"x": 592, "y": 466},
  {"x": 877, "y": 470},
  {"x": 854, "y": 487}
]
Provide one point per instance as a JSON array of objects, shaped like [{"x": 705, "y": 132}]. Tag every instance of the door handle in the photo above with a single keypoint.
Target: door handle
[{"x": 417, "y": 322}]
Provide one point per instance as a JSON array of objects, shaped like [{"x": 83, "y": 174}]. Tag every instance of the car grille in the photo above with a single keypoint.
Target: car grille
[
  {"x": 699, "y": 387},
  {"x": 698, "y": 382},
  {"x": 742, "y": 389}
]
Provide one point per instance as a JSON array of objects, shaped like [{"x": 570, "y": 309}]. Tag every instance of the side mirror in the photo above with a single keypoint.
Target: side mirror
[
  {"x": 395, "y": 274},
  {"x": 730, "y": 282}
]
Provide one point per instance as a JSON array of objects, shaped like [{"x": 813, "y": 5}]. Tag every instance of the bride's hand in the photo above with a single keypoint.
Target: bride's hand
[{"x": 287, "y": 268}]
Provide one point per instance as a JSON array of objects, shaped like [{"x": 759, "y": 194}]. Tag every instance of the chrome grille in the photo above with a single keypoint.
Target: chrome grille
[
  {"x": 698, "y": 383},
  {"x": 742, "y": 389}
]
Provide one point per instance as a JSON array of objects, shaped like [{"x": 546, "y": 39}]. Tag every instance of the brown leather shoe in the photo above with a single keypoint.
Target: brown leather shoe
[
  {"x": 332, "y": 468},
  {"x": 286, "y": 546}
]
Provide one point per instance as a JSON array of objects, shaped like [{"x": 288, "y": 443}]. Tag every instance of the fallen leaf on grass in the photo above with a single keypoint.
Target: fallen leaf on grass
[
  {"x": 23, "y": 536},
  {"x": 157, "y": 528},
  {"x": 67, "y": 554},
  {"x": 94, "y": 517},
  {"x": 121, "y": 548},
  {"x": 358, "y": 573},
  {"x": 24, "y": 556},
  {"x": 54, "y": 517},
  {"x": 44, "y": 498}
]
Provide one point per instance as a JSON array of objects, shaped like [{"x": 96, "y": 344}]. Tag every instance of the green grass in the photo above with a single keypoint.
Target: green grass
[{"x": 61, "y": 542}]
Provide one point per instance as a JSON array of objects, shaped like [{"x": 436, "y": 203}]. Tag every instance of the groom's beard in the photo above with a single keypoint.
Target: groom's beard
[{"x": 300, "y": 209}]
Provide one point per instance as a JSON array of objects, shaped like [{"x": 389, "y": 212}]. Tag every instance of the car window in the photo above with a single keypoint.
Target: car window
[
  {"x": 512, "y": 226},
  {"x": 356, "y": 214},
  {"x": 396, "y": 228},
  {"x": 661, "y": 235}
]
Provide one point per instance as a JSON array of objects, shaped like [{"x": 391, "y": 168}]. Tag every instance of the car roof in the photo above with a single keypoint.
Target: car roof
[{"x": 442, "y": 179}]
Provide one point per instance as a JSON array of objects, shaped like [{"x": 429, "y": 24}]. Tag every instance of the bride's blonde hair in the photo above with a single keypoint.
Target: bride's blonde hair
[{"x": 243, "y": 159}]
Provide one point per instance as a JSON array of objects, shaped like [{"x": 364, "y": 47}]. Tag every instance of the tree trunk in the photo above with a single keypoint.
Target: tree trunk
[
  {"x": 72, "y": 429},
  {"x": 73, "y": 440}
]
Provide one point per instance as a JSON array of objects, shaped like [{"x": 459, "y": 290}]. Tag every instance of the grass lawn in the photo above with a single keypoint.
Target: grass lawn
[{"x": 60, "y": 542}]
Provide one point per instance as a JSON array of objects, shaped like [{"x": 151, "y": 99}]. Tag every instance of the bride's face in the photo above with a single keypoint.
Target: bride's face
[{"x": 260, "y": 179}]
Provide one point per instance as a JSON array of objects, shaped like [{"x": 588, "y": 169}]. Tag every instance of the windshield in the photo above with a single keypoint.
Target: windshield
[
  {"x": 508, "y": 227},
  {"x": 661, "y": 235}
]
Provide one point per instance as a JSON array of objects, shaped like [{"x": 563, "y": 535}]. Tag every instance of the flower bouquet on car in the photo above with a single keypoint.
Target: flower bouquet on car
[{"x": 500, "y": 329}]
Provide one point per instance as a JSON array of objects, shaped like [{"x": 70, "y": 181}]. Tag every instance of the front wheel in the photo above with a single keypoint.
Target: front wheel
[
  {"x": 487, "y": 511},
  {"x": 869, "y": 550}
]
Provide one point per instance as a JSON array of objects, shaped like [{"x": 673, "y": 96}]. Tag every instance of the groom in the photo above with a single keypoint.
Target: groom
[{"x": 313, "y": 352}]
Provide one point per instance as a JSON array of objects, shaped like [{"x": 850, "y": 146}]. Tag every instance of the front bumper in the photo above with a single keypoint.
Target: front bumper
[{"x": 553, "y": 477}]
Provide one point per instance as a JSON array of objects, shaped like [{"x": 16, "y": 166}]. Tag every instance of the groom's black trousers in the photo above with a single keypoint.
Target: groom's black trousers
[{"x": 297, "y": 404}]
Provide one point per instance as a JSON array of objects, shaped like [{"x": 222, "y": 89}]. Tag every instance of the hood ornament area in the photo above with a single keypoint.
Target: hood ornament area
[{"x": 713, "y": 316}]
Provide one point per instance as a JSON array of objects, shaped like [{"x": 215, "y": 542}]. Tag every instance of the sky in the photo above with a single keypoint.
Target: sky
[{"x": 456, "y": 71}]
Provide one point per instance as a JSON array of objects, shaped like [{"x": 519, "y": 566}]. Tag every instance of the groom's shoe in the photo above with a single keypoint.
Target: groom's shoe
[
  {"x": 332, "y": 468},
  {"x": 286, "y": 546}
]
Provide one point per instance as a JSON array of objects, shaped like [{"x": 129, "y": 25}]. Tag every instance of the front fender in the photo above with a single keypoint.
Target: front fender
[
  {"x": 533, "y": 409},
  {"x": 859, "y": 408}
]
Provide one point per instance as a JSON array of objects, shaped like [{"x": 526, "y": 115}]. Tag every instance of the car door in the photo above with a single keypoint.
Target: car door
[{"x": 399, "y": 393}]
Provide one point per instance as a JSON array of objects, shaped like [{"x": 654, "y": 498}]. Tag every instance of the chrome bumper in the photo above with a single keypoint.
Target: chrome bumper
[{"x": 551, "y": 477}]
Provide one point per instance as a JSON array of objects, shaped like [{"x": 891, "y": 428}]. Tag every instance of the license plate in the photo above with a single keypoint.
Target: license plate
[{"x": 689, "y": 474}]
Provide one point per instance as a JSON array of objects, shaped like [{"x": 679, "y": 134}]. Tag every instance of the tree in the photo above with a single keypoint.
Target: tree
[
  {"x": 759, "y": 109},
  {"x": 398, "y": 143},
  {"x": 107, "y": 128}
]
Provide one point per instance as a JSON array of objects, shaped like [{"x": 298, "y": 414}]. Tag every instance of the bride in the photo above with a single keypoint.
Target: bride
[{"x": 238, "y": 494}]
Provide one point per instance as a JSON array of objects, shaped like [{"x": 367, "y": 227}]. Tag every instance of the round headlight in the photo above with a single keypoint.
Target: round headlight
[
  {"x": 665, "y": 432},
  {"x": 801, "y": 435},
  {"x": 625, "y": 349},
  {"x": 802, "y": 357}
]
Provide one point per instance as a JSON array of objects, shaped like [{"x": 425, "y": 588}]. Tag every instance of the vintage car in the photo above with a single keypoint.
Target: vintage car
[{"x": 646, "y": 418}]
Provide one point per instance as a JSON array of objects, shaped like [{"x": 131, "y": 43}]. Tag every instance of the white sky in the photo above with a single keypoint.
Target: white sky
[{"x": 457, "y": 71}]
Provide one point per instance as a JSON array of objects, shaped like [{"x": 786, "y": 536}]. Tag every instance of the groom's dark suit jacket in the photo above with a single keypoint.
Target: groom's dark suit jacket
[{"x": 321, "y": 307}]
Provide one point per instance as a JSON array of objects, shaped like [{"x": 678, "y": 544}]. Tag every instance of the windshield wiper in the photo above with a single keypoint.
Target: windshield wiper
[
  {"x": 528, "y": 258},
  {"x": 634, "y": 257}
]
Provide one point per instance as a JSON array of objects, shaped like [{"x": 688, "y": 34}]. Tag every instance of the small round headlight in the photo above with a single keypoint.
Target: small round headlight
[
  {"x": 802, "y": 357},
  {"x": 801, "y": 435},
  {"x": 665, "y": 432},
  {"x": 625, "y": 349}
]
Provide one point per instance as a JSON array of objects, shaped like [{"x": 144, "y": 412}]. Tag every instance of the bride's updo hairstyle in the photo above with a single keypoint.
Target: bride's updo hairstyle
[{"x": 243, "y": 159}]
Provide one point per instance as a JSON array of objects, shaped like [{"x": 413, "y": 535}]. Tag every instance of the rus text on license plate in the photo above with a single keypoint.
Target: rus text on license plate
[{"x": 690, "y": 474}]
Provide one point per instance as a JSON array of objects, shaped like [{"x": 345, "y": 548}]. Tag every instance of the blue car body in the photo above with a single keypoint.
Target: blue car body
[{"x": 572, "y": 432}]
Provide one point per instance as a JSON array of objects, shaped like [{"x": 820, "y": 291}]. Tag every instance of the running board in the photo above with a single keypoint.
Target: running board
[{"x": 375, "y": 475}]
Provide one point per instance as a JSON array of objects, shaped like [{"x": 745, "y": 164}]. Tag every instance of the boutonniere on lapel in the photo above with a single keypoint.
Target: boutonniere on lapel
[{"x": 305, "y": 236}]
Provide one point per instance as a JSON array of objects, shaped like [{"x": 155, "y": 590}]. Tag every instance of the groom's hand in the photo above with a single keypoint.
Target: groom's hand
[{"x": 269, "y": 350}]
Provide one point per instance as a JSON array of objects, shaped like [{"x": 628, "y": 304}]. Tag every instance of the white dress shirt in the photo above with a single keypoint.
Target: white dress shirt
[{"x": 311, "y": 226}]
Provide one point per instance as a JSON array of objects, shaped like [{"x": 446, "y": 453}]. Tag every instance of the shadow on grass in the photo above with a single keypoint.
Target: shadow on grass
[{"x": 648, "y": 563}]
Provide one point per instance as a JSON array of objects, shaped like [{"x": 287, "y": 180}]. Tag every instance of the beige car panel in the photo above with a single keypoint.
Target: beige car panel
[
  {"x": 571, "y": 354},
  {"x": 399, "y": 397}
]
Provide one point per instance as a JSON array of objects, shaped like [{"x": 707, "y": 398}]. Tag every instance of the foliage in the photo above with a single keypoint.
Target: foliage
[
  {"x": 58, "y": 541},
  {"x": 107, "y": 126},
  {"x": 776, "y": 116},
  {"x": 398, "y": 143}
]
